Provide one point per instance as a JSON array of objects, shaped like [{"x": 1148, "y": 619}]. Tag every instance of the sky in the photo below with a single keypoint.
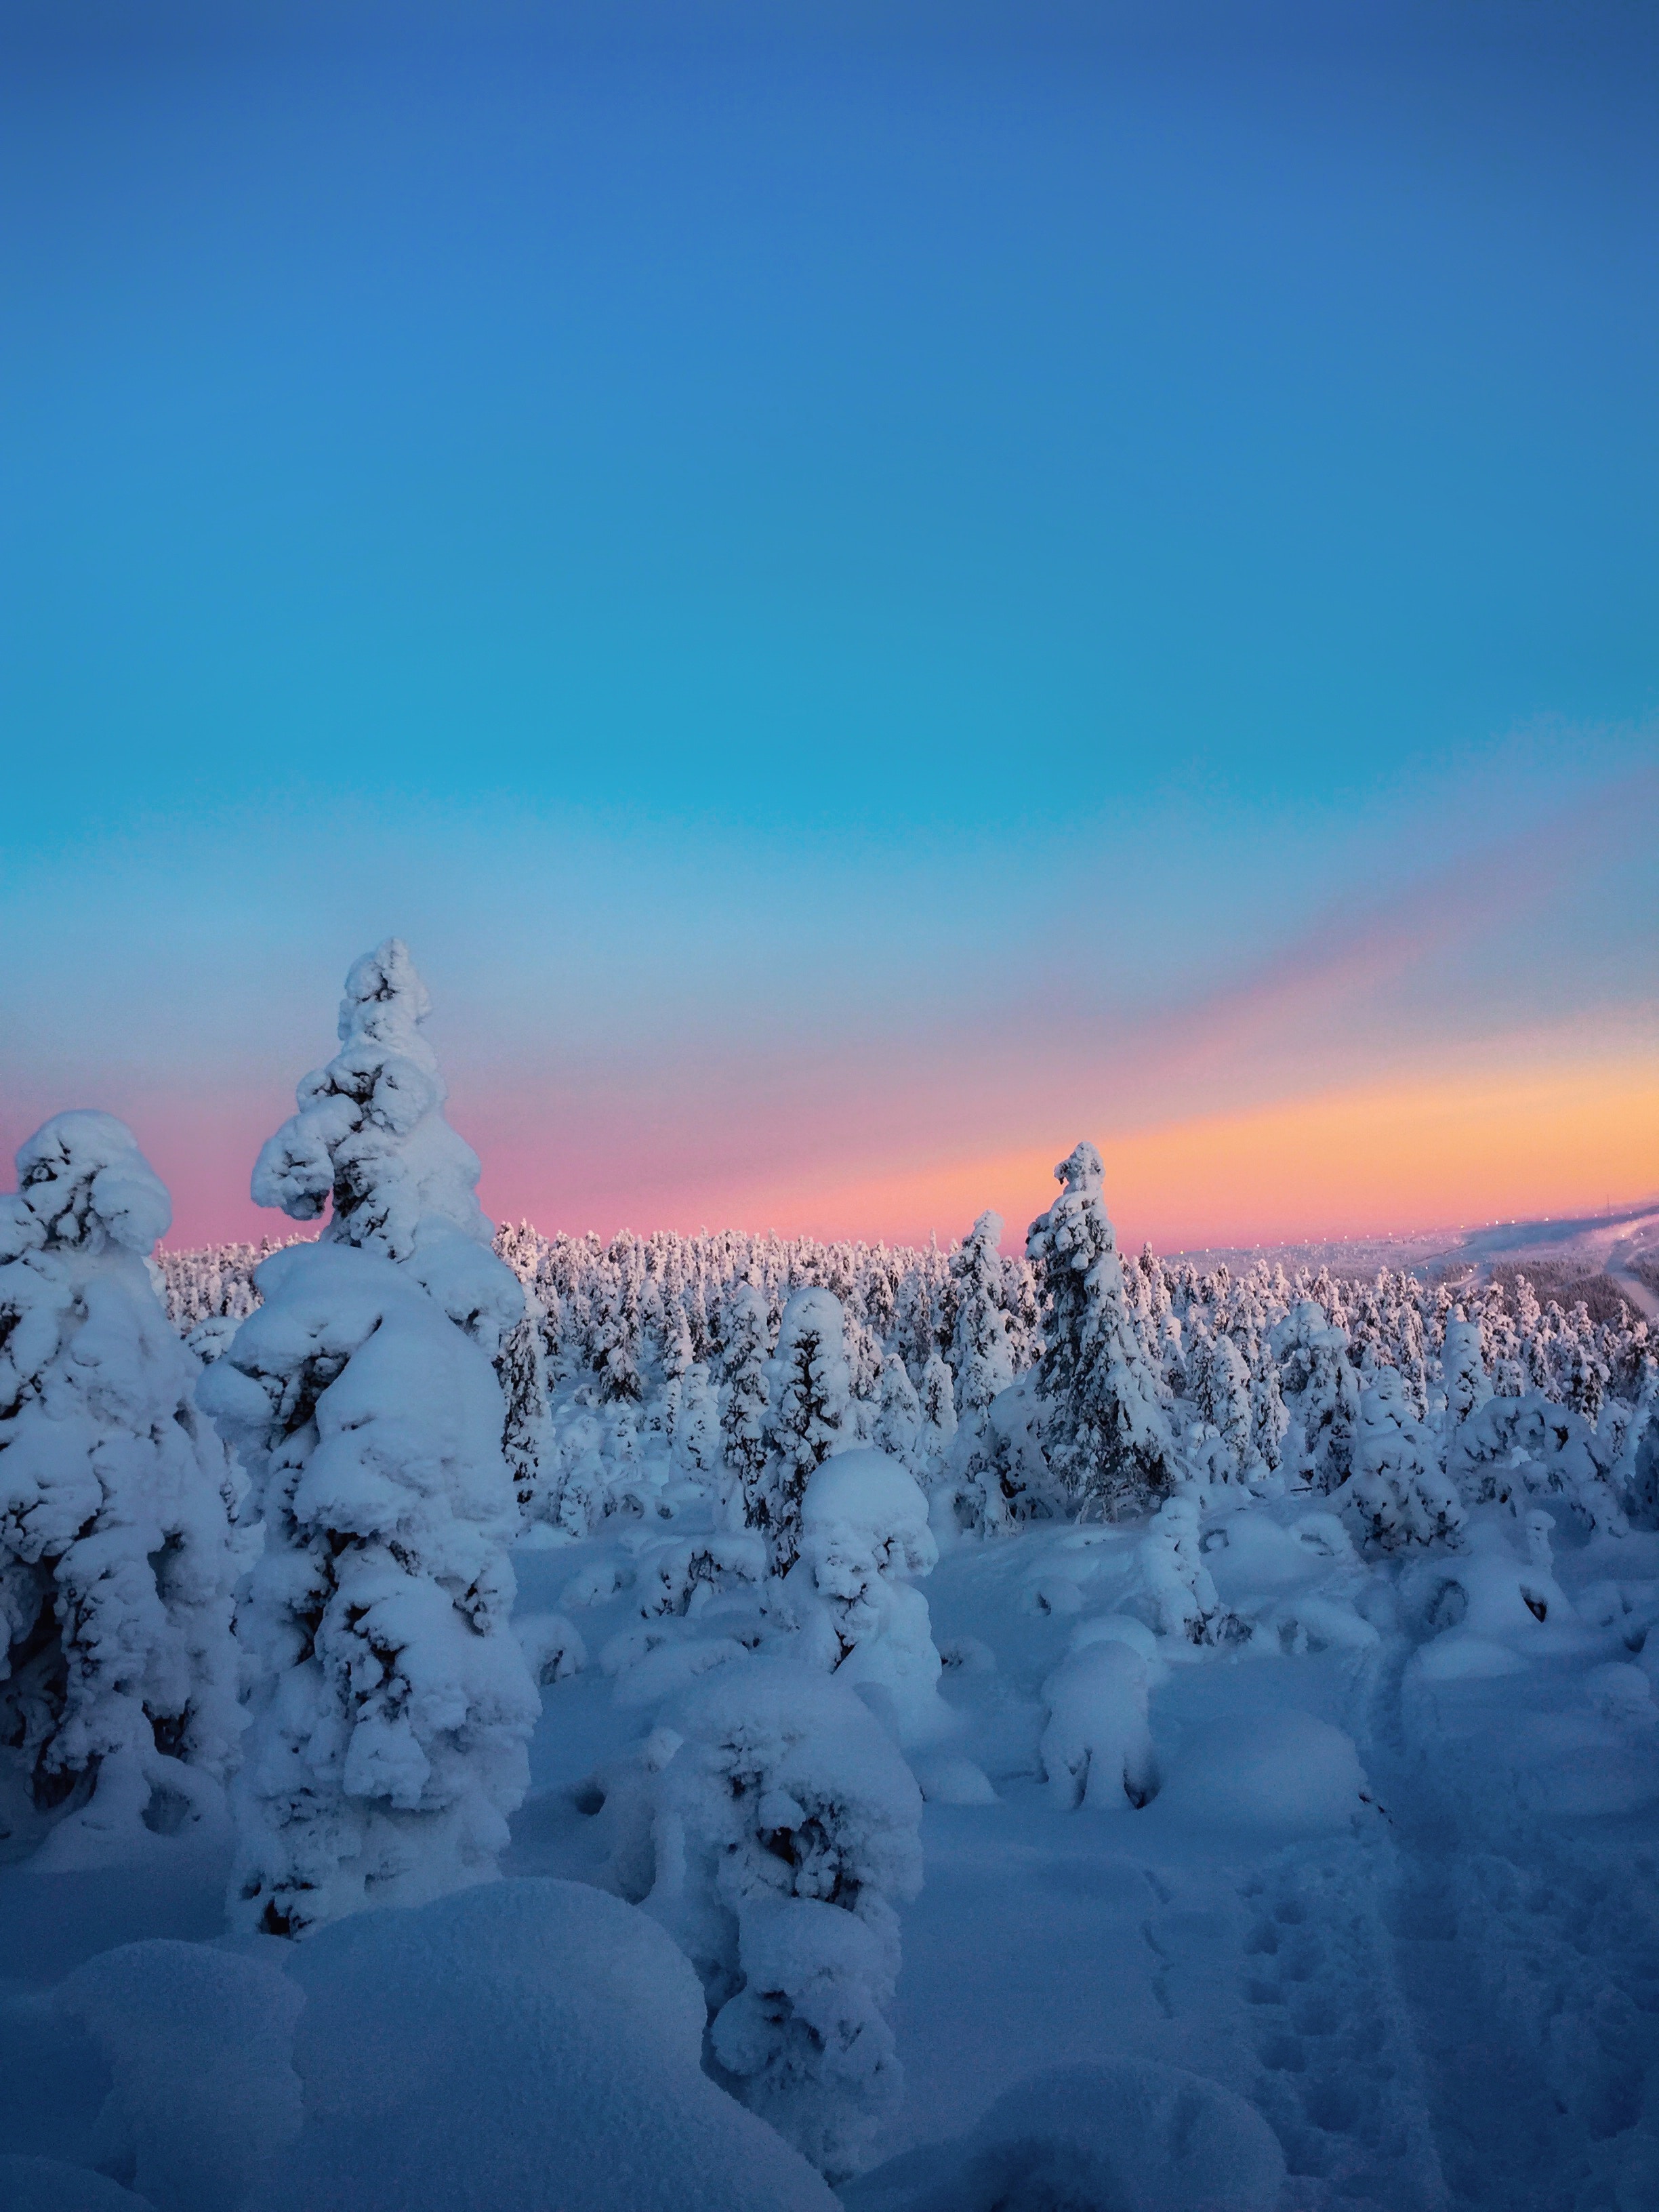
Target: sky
[{"x": 874, "y": 590}]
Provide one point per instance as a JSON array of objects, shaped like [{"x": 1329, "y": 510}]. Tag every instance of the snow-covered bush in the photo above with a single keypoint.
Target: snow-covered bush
[
  {"x": 773, "y": 1829},
  {"x": 863, "y": 1532},
  {"x": 392, "y": 1705},
  {"x": 808, "y": 1415},
  {"x": 1105, "y": 1434},
  {"x": 1397, "y": 1495},
  {"x": 117, "y": 1701},
  {"x": 1532, "y": 1446},
  {"x": 1096, "y": 1748},
  {"x": 1179, "y": 1586}
]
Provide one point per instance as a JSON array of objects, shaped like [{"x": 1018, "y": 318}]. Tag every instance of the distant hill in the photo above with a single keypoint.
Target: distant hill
[{"x": 1597, "y": 1256}]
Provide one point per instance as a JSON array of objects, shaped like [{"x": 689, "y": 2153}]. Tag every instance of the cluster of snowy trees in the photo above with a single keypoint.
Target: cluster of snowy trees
[
  {"x": 255, "y": 1569},
  {"x": 1066, "y": 1380}
]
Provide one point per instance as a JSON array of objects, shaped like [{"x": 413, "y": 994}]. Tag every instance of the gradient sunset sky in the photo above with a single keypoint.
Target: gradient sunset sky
[{"x": 874, "y": 588}]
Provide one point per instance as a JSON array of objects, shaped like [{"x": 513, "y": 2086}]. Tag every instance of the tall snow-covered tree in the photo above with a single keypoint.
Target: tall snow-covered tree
[
  {"x": 898, "y": 1421},
  {"x": 980, "y": 1357},
  {"x": 809, "y": 1414},
  {"x": 1219, "y": 1388},
  {"x": 746, "y": 1333},
  {"x": 393, "y": 1709},
  {"x": 118, "y": 1685},
  {"x": 938, "y": 1402},
  {"x": 1462, "y": 1373},
  {"x": 1105, "y": 1434}
]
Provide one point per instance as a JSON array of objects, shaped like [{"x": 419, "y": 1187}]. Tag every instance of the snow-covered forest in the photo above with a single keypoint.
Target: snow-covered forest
[{"x": 510, "y": 1719}]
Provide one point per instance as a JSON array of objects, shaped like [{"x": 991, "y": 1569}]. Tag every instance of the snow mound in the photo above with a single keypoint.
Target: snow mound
[
  {"x": 528, "y": 2043},
  {"x": 1127, "y": 2137},
  {"x": 1283, "y": 1772},
  {"x": 1096, "y": 1750},
  {"x": 197, "y": 2040},
  {"x": 46, "y": 2185}
]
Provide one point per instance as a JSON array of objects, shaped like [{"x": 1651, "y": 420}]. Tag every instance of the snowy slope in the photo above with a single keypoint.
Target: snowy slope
[{"x": 1586, "y": 1243}]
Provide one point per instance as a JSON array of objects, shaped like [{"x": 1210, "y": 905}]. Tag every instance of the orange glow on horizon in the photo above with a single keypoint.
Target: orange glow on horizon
[{"x": 1379, "y": 1159}]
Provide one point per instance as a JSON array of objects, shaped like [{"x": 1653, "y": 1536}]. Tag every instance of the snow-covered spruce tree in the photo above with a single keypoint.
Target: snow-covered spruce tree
[
  {"x": 1462, "y": 1374},
  {"x": 980, "y": 1358},
  {"x": 1104, "y": 1431},
  {"x": 1269, "y": 1420},
  {"x": 898, "y": 1419},
  {"x": 938, "y": 1402},
  {"x": 616, "y": 1343},
  {"x": 117, "y": 1687},
  {"x": 1321, "y": 1395},
  {"x": 371, "y": 1136},
  {"x": 522, "y": 1370},
  {"x": 808, "y": 1415},
  {"x": 746, "y": 1332},
  {"x": 1397, "y": 1495},
  {"x": 392, "y": 1706},
  {"x": 1219, "y": 1389}
]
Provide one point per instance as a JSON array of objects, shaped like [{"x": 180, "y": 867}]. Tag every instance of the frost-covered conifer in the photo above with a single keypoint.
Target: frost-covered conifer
[
  {"x": 898, "y": 1420},
  {"x": 1462, "y": 1374},
  {"x": 118, "y": 1694},
  {"x": 370, "y": 1135},
  {"x": 980, "y": 1358},
  {"x": 864, "y": 1372},
  {"x": 809, "y": 1414},
  {"x": 694, "y": 1431},
  {"x": 938, "y": 1402},
  {"x": 1219, "y": 1387},
  {"x": 392, "y": 1706},
  {"x": 522, "y": 1372},
  {"x": 914, "y": 1326},
  {"x": 1320, "y": 1392},
  {"x": 614, "y": 1344},
  {"x": 1397, "y": 1495},
  {"x": 745, "y": 1328},
  {"x": 1105, "y": 1434},
  {"x": 1269, "y": 1420}
]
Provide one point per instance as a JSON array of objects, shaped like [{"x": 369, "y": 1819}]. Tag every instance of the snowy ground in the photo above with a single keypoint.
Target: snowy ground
[
  {"x": 1396, "y": 1890},
  {"x": 1441, "y": 1987}
]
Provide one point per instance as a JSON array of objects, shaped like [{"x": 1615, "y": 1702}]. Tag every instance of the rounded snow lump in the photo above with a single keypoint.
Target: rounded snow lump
[
  {"x": 1128, "y": 2135},
  {"x": 529, "y": 2045},
  {"x": 46, "y": 2185},
  {"x": 1282, "y": 1772}
]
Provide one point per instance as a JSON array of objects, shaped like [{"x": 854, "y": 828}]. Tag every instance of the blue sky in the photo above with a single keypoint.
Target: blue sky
[{"x": 893, "y": 527}]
